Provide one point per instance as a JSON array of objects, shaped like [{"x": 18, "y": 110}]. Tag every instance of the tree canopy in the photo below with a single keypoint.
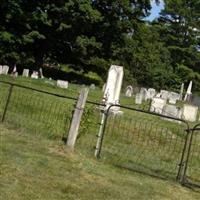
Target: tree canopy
[{"x": 89, "y": 35}]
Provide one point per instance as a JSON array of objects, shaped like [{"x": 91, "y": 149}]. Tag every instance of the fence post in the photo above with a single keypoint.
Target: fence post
[
  {"x": 7, "y": 103},
  {"x": 100, "y": 134},
  {"x": 76, "y": 118}
]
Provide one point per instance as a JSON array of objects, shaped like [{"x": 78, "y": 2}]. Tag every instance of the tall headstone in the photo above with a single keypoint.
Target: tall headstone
[
  {"x": 188, "y": 94},
  {"x": 104, "y": 87},
  {"x": 25, "y": 73},
  {"x": 129, "y": 91},
  {"x": 1, "y": 69},
  {"x": 113, "y": 85},
  {"x": 190, "y": 112},
  {"x": 41, "y": 73},
  {"x": 157, "y": 105},
  {"x": 181, "y": 92},
  {"x": 5, "y": 69}
]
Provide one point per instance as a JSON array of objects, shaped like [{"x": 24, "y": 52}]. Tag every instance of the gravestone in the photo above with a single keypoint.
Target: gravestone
[
  {"x": 104, "y": 87},
  {"x": 190, "y": 112},
  {"x": 172, "y": 111},
  {"x": 164, "y": 94},
  {"x": 181, "y": 92},
  {"x": 143, "y": 92},
  {"x": 188, "y": 94},
  {"x": 5, "y": 69},
  {"x": 62, "y": 84},
  {"x": 41, "y": 73},
  {"x": 151, "y": 93},
  {"x": 129, "y": 91},
  {"x": 157, "y": 105},
  {"x": 1, "y": 69},
  {"x": 113, "y": 86},
  {"x": 196, "y": 100},
  {"x": 92, "y": 86},
  {"x": 173, "y": 97},
  {"x": 138, "y": 98},
  {"x": 25, "y": 73},
  {"x": 34, "y": 75}
]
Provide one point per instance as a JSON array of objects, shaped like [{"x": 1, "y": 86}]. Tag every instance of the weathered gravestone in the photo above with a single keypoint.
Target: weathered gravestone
[
  {"x": 190, "y": 113},
  {"x": 172, "y": 111},
  {"x": 41, "y": 73},
  {"x": 181, "y": 92},
  {"x": 151, "y": 93},
  {"x": 173, "y": 97},
  {"x": 164, "y": 94},
  {"x": 113, "y": 86},
  {"x": 143, "y": 92},
  {"x": 92, "y": 86},
  {"x": 188, "y": 94},
  {"x": 138, "y": 98},
  {"x": 104, "y": 87},
  {"x": 62, "y": 84},
  {"x": 34, "y": 75},
  {"x": 25, "y": 73},
  {"x": 5, "y": 69},
  {"x": 1, "y": 69},
  {"x": 129, "y": 91},
  {"x": 157, "y": 105}
]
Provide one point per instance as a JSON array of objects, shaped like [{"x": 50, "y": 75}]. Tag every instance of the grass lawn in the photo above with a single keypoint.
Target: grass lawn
[{"x": 38, "y": 168}]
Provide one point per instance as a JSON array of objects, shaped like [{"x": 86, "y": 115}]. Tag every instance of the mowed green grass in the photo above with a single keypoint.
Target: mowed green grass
[{"x": 39, "y": 168}]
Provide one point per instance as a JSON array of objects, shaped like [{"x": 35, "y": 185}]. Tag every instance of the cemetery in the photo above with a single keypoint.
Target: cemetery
[{"x": 100, "y": 100}]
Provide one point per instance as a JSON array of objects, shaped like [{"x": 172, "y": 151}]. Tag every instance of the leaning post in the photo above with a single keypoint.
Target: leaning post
[{"x": 76, "y": 119}]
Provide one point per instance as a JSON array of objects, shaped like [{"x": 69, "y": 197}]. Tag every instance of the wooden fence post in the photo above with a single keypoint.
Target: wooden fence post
[{"x": 76, "y": 119}]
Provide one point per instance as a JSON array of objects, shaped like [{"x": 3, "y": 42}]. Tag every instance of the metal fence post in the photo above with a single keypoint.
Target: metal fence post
[
  {"x": 100, "y": 134},
  {"x": 7, "y": 103},
  {"x": 183, "y": 163}
]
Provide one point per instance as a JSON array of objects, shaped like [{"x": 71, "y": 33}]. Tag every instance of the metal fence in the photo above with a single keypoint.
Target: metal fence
[
  {"x": 135, "y": 139},
  {"x": 150, "y": 143}
]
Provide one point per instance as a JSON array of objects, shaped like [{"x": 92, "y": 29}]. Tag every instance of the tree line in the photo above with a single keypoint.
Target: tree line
[{"x": 89, "y": 35}]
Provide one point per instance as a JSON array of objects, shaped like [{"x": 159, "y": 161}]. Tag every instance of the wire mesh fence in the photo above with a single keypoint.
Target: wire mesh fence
[
  {"x": 145, "y": 142},
  {"x": 192, "y": 171},
  {"x": 35, "y": 111}
]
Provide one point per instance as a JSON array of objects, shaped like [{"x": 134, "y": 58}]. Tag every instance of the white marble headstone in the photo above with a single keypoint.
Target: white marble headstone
[
  {"x": 190, "y": 113},
  {"x": 34, "y": 75},
  {"x": 157, "y": 105},
  {"x": 151, "y": 93},
  {"x": 92, "y": 86},
  {"x": 113, "y": 85},
  {"x": 129, "y": 91},
  {"x": 173, "y": 97},
  {"x": 62, "y": 84},
  {"x": 25, "y": 72},
  {"x": 138, "y": 98},
  {"x": 5, "y": 69},
  {"x": 1, "y": 69},
  {"x": 143, "y": 92},
  {"x": 172, "y": 111},
  {"x": 164, "y": 94}
]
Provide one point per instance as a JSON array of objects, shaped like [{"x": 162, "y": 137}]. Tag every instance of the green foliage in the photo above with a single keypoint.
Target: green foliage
[{"x": 90, "y": 35}]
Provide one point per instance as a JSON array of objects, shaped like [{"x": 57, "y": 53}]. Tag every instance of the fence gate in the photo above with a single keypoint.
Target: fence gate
[
  {"x": 192, "y": 167},
  {"x": 145, "y": 142}
]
